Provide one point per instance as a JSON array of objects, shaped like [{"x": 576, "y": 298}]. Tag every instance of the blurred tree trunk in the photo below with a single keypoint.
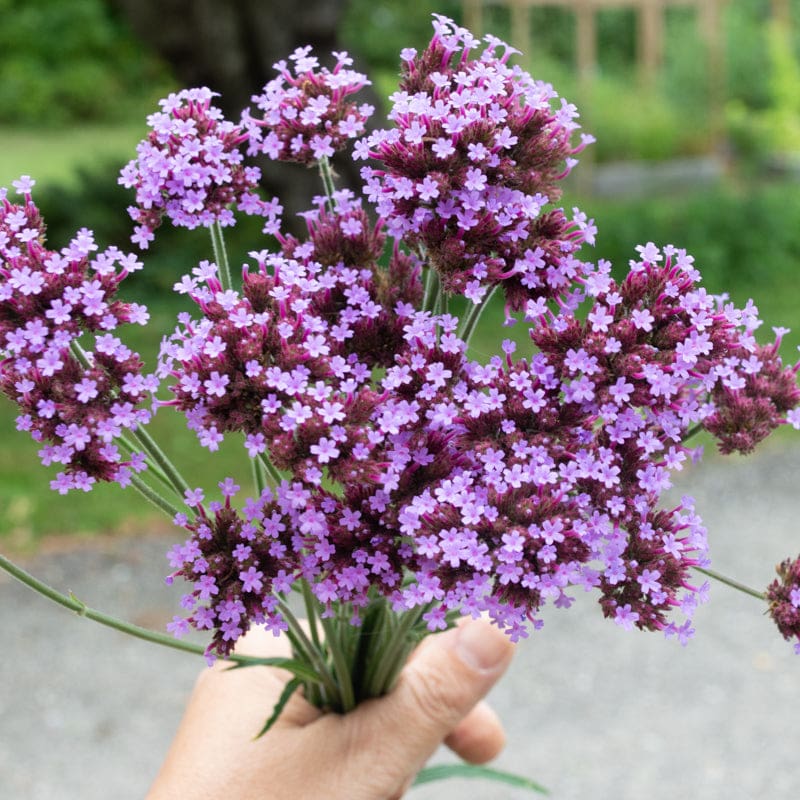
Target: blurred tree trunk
[{"x": 230, "y": 46}]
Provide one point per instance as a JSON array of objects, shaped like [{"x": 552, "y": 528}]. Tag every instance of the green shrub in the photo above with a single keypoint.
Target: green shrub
[
  {"x": 745, "y": 240},
  {"x": 65, "y": 61},
  {"x": 775, "y": 128}
]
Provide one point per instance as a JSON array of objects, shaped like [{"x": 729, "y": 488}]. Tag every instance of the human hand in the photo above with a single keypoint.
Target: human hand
[{"x": 372, "y": 753}]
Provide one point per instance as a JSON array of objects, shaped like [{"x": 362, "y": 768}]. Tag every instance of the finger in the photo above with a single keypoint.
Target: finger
[
  {"x": 479, "y": 737},
  {"x": 436, "y": 690},
  {"x": 401, "y": 792}
]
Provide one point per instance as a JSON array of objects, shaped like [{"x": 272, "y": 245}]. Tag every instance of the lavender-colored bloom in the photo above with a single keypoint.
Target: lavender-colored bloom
[
  {"x": 411, "y": 472},
  {"x": 70, "y": 401},
  {"x": 305, "y": 111},
  {"x": 492, "y": 150},
  {"x": 190, "y": 169}
]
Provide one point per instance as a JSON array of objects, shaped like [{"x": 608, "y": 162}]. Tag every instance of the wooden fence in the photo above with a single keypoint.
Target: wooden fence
[{"x": 650, "y": 34}]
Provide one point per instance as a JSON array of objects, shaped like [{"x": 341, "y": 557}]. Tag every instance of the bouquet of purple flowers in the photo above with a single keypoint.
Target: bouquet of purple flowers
[{"x": 400, "y": 483}]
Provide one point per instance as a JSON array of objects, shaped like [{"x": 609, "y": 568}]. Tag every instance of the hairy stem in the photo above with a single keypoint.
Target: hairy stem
[
  {"x": 80, "y": 354},
  {"x": 344, "y": 678},
  {"x": 432, "y": 289},
  {"x": 734, "y": 584},
  {"x": 311, "y": 612},
  {"x": 470, "y": 321},
  {"x": 692, "y": 432},
  {"x": 152, "y": 467},
  {"x": 393, "y": 657},
  {"x": 152, "y": 496},
  {"x": 152, "y": 449},
  {"x": 311, "y": 654},
  {"x": 82, "y": 610},
  {"x": 271, "y": 469},
  {"x": 221, "y": 256},
  {"x": 326, "y": 173},
  {"x": 259, "y": 478}
]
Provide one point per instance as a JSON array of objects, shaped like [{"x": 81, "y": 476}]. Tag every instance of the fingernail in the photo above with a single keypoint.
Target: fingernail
[{"x": 481, "y": 646}]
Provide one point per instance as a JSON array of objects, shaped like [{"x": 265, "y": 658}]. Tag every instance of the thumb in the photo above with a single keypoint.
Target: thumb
[{"x": 448, "y": 675}]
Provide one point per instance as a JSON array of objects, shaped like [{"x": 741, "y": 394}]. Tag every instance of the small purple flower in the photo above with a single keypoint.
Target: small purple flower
[
  {"x": 493, "y": 151},
  {"x": 306, "y": 112},
  {"x": 179, "y": 627},
  {"x": 193, "y": 497},
  {"x": 190, "y": 169}
]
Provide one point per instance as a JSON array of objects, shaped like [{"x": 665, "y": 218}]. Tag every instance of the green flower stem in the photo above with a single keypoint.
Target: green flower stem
[
  {"x": 473, "y": 315},
  {"x": 259, "y": 478},
  {"x": 311, "y": 654},
  {"x": 152, "y": 467},
  {"x": 311, "y": 613},
  {"x": 432, "y": 289},
  {"x": 326, "y": 173},
  {"x": 393, "y": 657},
  {"x": 82, "y": 610},
  {"x": 221, "y": 256},
  {"x": 157, "y": 454},
  {"x": 271, "y": 470},
  {"x": 692, "y": 432},
  {"x": 154, "y": 497},
  {"x": 80, "y": 354},
  {"x": 336, "y": 649},
  {"x": 438, "y": 301},
  {"x": 734, "y": 584},
  {"x": 369, "y": 637},
  {"x": 350, "y": 637}
]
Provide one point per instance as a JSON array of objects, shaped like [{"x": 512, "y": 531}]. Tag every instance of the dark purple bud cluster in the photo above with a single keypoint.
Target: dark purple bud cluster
[
  {"x": 659, "y": 341},
  {"x": 783, "y": 596},
  {"x": 289, "y": 360},
  {"x": 759, "y": 399}
]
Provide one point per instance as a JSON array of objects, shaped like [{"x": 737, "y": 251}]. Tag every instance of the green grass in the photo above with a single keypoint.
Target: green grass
[{"x": 54, "y": 156}]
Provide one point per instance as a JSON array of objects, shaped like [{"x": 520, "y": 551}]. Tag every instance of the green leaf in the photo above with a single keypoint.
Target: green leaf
[
  {"x": 439, "y": 772},
  {"x": 290, "y": 688},
  {"x": 298, "y": 668}
]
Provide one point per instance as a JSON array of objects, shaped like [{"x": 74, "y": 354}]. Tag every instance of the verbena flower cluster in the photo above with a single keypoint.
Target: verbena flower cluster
[
  {"x": 78, "y": 405},
  {"x": 406, "y": 469},
  {"x": 190, "y": 168},
  {"x": 471, "y": 165},
  {"x": 452, "y": 484},
  {"x": 306, "y": 116}
]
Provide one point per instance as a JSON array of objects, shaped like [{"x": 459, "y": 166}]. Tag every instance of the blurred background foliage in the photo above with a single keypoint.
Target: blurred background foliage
[
  {"x": 68, "y": 61},
  {"x": 76, "y": 84}
]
